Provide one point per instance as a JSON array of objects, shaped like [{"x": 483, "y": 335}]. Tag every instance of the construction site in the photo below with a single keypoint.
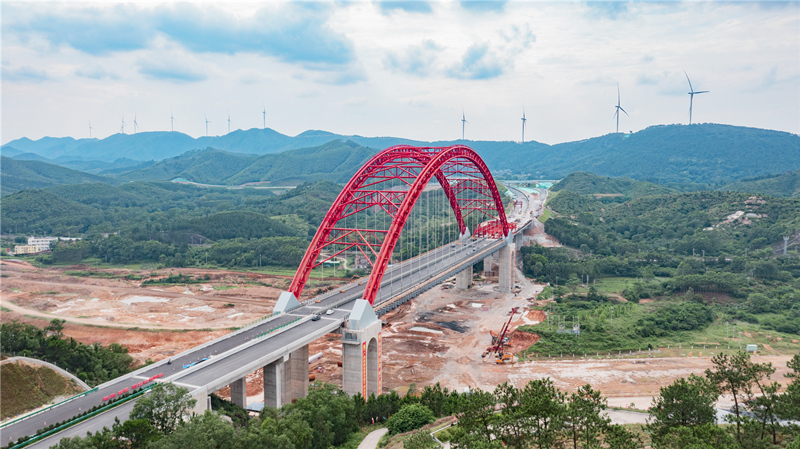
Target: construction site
[{"x": 458, "y": 338}]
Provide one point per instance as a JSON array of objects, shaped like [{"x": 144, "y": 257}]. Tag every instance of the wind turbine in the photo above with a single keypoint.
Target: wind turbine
[
  {"x": 207, "y": 122},
  {"x": 265, "y": 117},
  {"x": 618, "y": 108},
  {"x": 692, "y": 93},
  {"x": 523, "y": 124},
  {"x": 229, "y": 123},
  {"x": 90, "y": 129},
  {"x": 135, "y": 125},
  {"x": 463, "y": 123},
  {"x": 171, "y": 121},
  {"x": 122, "y": 128}
]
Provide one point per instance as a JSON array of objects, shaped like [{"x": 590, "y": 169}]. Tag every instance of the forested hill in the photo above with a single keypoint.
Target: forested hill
[
  {"x": 336, "y": 161},
  {"x": 705, "y": 153},
  {"x": 785, "y": 185},
  {"x": 591, "y": 184},
  {"x": 18, "y": 175},
  {"x": 715, "y": 222}
]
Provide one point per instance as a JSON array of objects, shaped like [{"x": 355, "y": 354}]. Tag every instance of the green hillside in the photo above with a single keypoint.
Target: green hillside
[
  {"x": 785, "y": 185},
  {"x": 590, "y": 184},
  {"x": 208, "y": 166},
  {"x": 25, "y": 387},
  {"x": 335, "y": 161},
  {"x": 18, "y": 175}
]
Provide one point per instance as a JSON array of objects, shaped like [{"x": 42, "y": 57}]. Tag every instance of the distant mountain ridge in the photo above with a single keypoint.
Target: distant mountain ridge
[
  {"x": 335, "y": 161},
  {"x": 706, "y": 154},
  {"x": 19, "y": 175}
]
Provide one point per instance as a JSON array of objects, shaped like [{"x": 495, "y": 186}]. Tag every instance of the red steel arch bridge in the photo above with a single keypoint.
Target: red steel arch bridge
[{"x": 370, "y": 214}]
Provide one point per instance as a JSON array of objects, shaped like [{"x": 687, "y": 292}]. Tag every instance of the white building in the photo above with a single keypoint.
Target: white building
[{"x": 43, "y": 243}]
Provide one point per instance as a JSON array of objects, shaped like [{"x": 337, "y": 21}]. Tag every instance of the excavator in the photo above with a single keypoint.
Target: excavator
[{"x": 499, "y": 342}]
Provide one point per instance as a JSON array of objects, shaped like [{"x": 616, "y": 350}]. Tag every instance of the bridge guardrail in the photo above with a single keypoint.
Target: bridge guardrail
[
  {"x": 29, "y": 415},
  {"x": 79, "y": 419}
]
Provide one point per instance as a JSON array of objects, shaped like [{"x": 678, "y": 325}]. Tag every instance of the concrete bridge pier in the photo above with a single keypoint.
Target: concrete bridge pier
[
  {"x": 239, "y": 392},
  {"x": 487, "y": 266},
  {"x": 286, "y": 379},
  {"x": 275, "y": 394},
  {"x": 361, "y": 351},
  {"x": 505, "y": 259},
  {"x": 464, "y": 278}
]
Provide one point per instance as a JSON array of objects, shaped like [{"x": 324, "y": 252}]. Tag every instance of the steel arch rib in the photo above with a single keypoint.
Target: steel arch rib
[{"x": 432, "y": 162}]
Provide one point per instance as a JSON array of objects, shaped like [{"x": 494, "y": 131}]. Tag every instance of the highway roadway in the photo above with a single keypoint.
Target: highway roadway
[{"x": 244, "y": 345}]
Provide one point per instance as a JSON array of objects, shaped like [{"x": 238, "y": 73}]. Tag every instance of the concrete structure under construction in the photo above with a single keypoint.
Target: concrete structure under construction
[
  {"x": 464, "y": 278},
  {"x": 361, "y": 352}
]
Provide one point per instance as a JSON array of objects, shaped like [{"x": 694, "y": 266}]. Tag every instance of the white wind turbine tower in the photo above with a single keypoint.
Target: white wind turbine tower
[
  {"x": 523, "y": 124},
  {"x": 692, "y": 93},
  {"x": 135, "y": 124},
  {"x": 207, "y": 122},
  {"x": 618, "y": 108},
  {"x": 122, "y": 127},
  {"x": 171, "y": 121},
  {"x": 229, "y": 123},
  {"x": 265, "y": 117},
  {"x": 463, "y": 123},
  {"x": 90, "y": 129}
]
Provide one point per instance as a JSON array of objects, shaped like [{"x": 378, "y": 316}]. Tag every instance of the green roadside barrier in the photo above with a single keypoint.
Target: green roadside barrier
[
  {"x": 49, "y": 407},
  {"x": 81, "y": 418}
]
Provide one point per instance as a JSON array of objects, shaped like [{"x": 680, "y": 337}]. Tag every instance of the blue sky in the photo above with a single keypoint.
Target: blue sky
[{"x": 396, "y": 68}]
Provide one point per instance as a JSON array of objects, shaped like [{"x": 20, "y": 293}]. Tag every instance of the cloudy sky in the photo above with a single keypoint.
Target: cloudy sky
[{"x": 401, "y": 69}]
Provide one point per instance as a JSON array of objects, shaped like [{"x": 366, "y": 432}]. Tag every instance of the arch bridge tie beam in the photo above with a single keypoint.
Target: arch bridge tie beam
[{"x": 392, "y": 181}]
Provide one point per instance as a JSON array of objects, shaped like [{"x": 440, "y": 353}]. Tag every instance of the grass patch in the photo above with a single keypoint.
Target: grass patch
[
  {"x": 225, "y": 287},
  {"x": 546, "y": 214},
  {"x": 357, "y": 437},
  {"x": 621, "y": 338},
  {"x": 25, "y": 387}
]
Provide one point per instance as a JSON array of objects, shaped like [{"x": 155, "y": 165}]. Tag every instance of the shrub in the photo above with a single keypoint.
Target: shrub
[{"x": 409, "y": 418}]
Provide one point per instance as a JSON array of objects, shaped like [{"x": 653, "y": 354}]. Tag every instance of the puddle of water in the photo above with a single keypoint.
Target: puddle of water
[
  {"x": 203, "y": 309},
  {"x": 425, "y": 329},
  {"x": 134, "y": 299},
  {"x": 477, "y": 305},
  {"x": 235, "y": 315}
]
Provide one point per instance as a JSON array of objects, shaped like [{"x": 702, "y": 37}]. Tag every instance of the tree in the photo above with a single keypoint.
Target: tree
[
  {"x": 477, "y": 413},
  {"x": 730, "y": 375},
  {"x": 533, "y": 414},
  {"x": 687, "y": 402},
  {"x": 138, "y": 432},
  {"x": 617, "y": 437},
  {"x": 789, "y": 403},
  {"x": 706, "y": 436},
  {"x": 164, "y": 407},
  {"x": 410, "y": 417},
  {"x": 583, "y": 418},
  {"x": 419, "y": 440}
]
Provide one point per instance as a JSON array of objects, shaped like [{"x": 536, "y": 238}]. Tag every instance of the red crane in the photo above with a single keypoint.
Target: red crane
[{"x": 499, "y": 342}]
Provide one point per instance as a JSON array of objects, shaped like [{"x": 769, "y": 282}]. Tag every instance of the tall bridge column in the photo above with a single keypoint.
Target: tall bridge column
[
  {"x": 239, "y": 392},
  {"x": 505, "y": 258},
  {"x": 275, "y": 393},
  {"x": 487, "y": 266},
  {"x": 361, "y": 352},
  {"x": 297, "y": 375},
  {"x": 464, "y": 278}
]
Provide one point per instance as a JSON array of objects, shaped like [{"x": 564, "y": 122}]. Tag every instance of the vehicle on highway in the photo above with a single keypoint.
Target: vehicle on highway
[
  {"x": 329, "y": 312},
  {"x": 315, "y": 318},
  {"x": 195, "y": 363}
]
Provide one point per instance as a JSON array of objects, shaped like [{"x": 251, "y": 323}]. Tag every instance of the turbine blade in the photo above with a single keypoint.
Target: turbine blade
[
  {"x": 687, "y": 79},
  {"x": 623, "y": 110},
  {"x": 703, "y": 92}
]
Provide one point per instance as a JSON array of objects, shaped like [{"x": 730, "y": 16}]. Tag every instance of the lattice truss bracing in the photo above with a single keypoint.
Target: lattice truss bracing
[{"x": 368, "y": 216}]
